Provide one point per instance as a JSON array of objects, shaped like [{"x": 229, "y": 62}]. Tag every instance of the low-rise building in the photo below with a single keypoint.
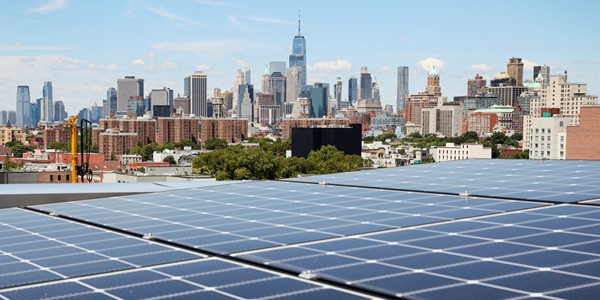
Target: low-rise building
[
  {"x": 549, "y": 137},
  {"x": 452, "y": 152},
  {"x": 582, "y": 140}
]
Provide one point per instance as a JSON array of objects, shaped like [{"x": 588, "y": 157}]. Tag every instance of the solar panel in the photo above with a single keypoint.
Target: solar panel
[
  {"x": 210, "y": 278},
  {"x": 257, "y": 215},
  {"x": 37, "y": 248},
  {"x": 554, "y": 181},
  {"x": 544, "y": 252}
]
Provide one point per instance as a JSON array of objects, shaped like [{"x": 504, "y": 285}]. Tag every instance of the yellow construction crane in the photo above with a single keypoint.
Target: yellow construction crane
[
  {"x": 72, "y": 122},
  {"x": 82, "y": 169}
]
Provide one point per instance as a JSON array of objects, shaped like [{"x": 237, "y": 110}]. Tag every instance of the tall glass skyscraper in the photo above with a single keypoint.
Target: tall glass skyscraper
[
  {"x": 23, "y": 106},
  {"x": 47, "y": 108},
  {"x": 319, "y": 96},
  {"x": 402, "y": 88},
  {"x": 298, "y": 57},
  {"x": 352, "y": 90}
]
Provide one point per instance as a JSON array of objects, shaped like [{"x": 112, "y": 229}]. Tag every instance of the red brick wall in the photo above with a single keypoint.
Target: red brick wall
[{"x": 582, "y": 140}]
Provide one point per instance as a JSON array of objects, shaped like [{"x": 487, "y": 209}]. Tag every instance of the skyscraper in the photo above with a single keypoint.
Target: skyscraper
[
  {"x": 162, "y": 96},
  {"x": 293, "y": 83},
  {"x": 352, "y": 90},
  {"x": 47, "y": 109},
  {"x": 23, "y": 106},
  {"x": 474, "y": 86},
  {"x": 514, "y": 68},
  {"x": 366, "y": 88},
  {"x": 198, "y": 92},
  {"x": 433, "y": 83},
  {"x": 264, "y": 80},
  {"x": 298, "y": 56},
  {"x": 59, "y": 110},
  {"x": 402, "y": 88},
  {"x": 277, "y": 66},
  {"x": 186, "y": 86},
  {"x": 247, "y": 75},
  {"x": 33, "y": 114},
  {"x": 246, "y": 102},
  {"x": 319, "y": 98},
  {"x": 545, "y": 71},
  {"x": 111, "y": 98},
  {"x": 239, "y": 80},
  {"x": 126, "y": 88},
  {"x": 337, "y": 93},
  {"x": 277, "y": 88}
]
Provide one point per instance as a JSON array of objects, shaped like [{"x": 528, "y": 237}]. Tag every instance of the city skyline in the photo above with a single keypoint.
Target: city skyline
[{"x": 163, "y": 44}]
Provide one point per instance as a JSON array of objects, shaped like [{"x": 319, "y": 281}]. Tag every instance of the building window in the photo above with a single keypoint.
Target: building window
[
  {"x": 562, "y": 146},
  {"x": 562, "y": 153},
  {"x": 549, "y": 130},
  {"x": 51, "y": 177},
  {"x": 68, "y": 178},
  {"x": 560, "y": 123},
  {"x": 59, "y": 177},
  {"x": 548, "y": 138},
  {"x": 562, "y": 138}
]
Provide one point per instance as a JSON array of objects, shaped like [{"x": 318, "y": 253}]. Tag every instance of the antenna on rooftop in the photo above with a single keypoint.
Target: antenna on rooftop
[{"x": 298, "y": 23}]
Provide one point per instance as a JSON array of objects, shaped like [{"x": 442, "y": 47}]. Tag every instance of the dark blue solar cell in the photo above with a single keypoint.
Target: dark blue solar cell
[
  {"x": 236, "y": 276},
  {"x": 81, "y": 257},
  {"x": 540, "y": 282},
  {"x": 505, "y": 232},
  {"x": 550, "y": 258},
  {"x": 410, "y": 221},
  {"x": 206, "y": 295},
  {"x": 27, "y": 278},
  {"x": 481, "y": 270},
  {"x": 47, "y": 291},
  {"x": 511, "y": 205},
  {"x": 568, "y": 210},
  {"x": 148, "y": 259},
  {"x": 298, "y": 237},
  {"x": 154, "y": 289},
  {"x": 184, "y": 232},
  {"x": 322, "y": 294},
  {"x": 554, "y": 239},
  {"x": 48, "y": 252},
  {"x": 199, "y": 267},
  {"x": 582, "y": 293},
  {"x": 404, "y": 235},
  {"x": 18, "y": 240},
  {"x": 559, "y": 223},
  {"x": 116, "y": 242},
  {"x": 89, "y": 238},
  {"x": 461, "y": 213},
  {"x": 209, "y": 239},
  {"x": 269, "y": 231},
  {"x": 92, "y": 267},
  {"x": 78, "y": 230},
  {"x": 355, "y": 228},
  {"x": 588, "y": 268},
  {"x": 514, "y": 218},
  {"x": 445, "y": 242},
  {"x": 422, "y": 209},
  {"x": 467, "y": 291},
  {"x": 140, "y": 248},
  {"x": 7, "y": 259},
  {"x": 342, "y": 244},
  {"x": 494, "y": 249},
  {"x": 429, "y": 260},
  {"x": 593, "y": 247},
  {"x": 113, "y": 281},
  {"x": 459, "y": 226},
  {"x": 359, "y": 272},
  {"x": 268, "y": 288},
  {"x": 383, "y": 251},
  {"x": 407, "y": 283},
  {"x": 322, "y": 224},
  {"x": 239, "y": 246},
  {"x": 320, "y": 262}
]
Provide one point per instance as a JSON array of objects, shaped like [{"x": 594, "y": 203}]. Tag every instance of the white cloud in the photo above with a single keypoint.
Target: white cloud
[
  {"x": 270, "y": 20},
  {"x": 177, "y": 19},
  {"x": 430, "y": 62},
  {"x": 217, "y": 3},
  {"x": 138, "y": 62},
  {"x": 528, "y": 65},
  {"x": 241, "y": 64},
  {"x": 112, "y": 67},
  {"x": 151, "y": 56},
  {"x": 331, "y": 66},
  {"x": 385, "y": 69},
  {"x": 238, "y": 24},
  {"x": 51, "y": 5},
  {"x": 203, "y": 67},
  {"x": 169, "y": 65},
  {"x": 480, "y": 68}
]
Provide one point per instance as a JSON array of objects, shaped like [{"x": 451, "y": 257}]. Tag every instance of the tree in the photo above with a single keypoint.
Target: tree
[
  {"x": 112, "y": 157},
  {"x": 66, "y": 147},
  {"x": 170, "y": 159},
  {"x": 95, "y": 148},
  {"x": 518, "y": 136},
  {"x": 186, "y": 143},
  {"x": 17, "y": 148},
  {"x": 9, "y": 164},
  {"x": 215, "y": 144}
]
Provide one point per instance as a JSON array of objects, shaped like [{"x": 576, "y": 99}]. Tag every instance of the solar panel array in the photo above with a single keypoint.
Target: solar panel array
[
  {"x": 555, "y": 181},
  {"x": 346, "y": 239}
]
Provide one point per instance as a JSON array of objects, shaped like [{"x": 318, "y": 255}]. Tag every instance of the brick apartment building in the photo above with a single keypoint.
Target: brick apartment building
[
  {"x": 176, "y": 129},
  {"x": 233, "y": 130},
  {"x": 581, "y": 139}
]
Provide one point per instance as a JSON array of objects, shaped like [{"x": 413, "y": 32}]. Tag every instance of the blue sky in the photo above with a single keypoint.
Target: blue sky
[{"x": 84, "y": 46}]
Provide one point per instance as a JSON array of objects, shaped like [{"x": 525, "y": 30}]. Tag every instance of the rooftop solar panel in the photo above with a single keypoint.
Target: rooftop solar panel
[
  {"x": 554, "y": 181},
  {"x": 545, "y": 252},
  {"x": 210, "y": 278},
  {"x": 256, "y": 215},
  {"x": 37, "y": 248}
]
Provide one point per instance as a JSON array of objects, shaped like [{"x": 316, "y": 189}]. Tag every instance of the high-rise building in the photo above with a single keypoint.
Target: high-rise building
[
  {"x": 23, "y": 106},
  {"x": 218, "y": 107},
  {"x": 277, "y": 66},
  {"x": 111, "y": 98},
  {"x": 352, "y": 90},
  {"x": 277, "y": 87},
  {"x": 182, "y": 103},
  {"x": 337, "y": 93},
  {"x": 402, "y": 88},
  {"x": 59, "y": 111},
  {"x": 3, "y": 117},
  {"x": 264, "y": 80},
  {"x": 96, "y": 113},
  {"x": 12, "y": 117},
  {"x": 198, "y": 94},
  {"x": 545, "y": 71},
  {"x": 126, "y": 88},
  {"x": 514, "y": 68},
  {"x": 366, "y": 84},
  {"x": 162, "y": 96},
  {"x": 239, "y": 80},
  {"x": 293, "y": 85},
  {"x": 217, "y": 92},
  {"x": 186, "y": 86},
  {"x": 298, "y": 57},
  {"x": 245, "y": 107},
  {"x": 47, "y": 109},
  {"x": 433, "y": 83},
  {"x": 247, "y": 75},
  {"x": 34, "y": 113},
  {"x": 375, "y": 94},
  {"x": 319, "y": 96},
  {"x": 474, "y": 86}
]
